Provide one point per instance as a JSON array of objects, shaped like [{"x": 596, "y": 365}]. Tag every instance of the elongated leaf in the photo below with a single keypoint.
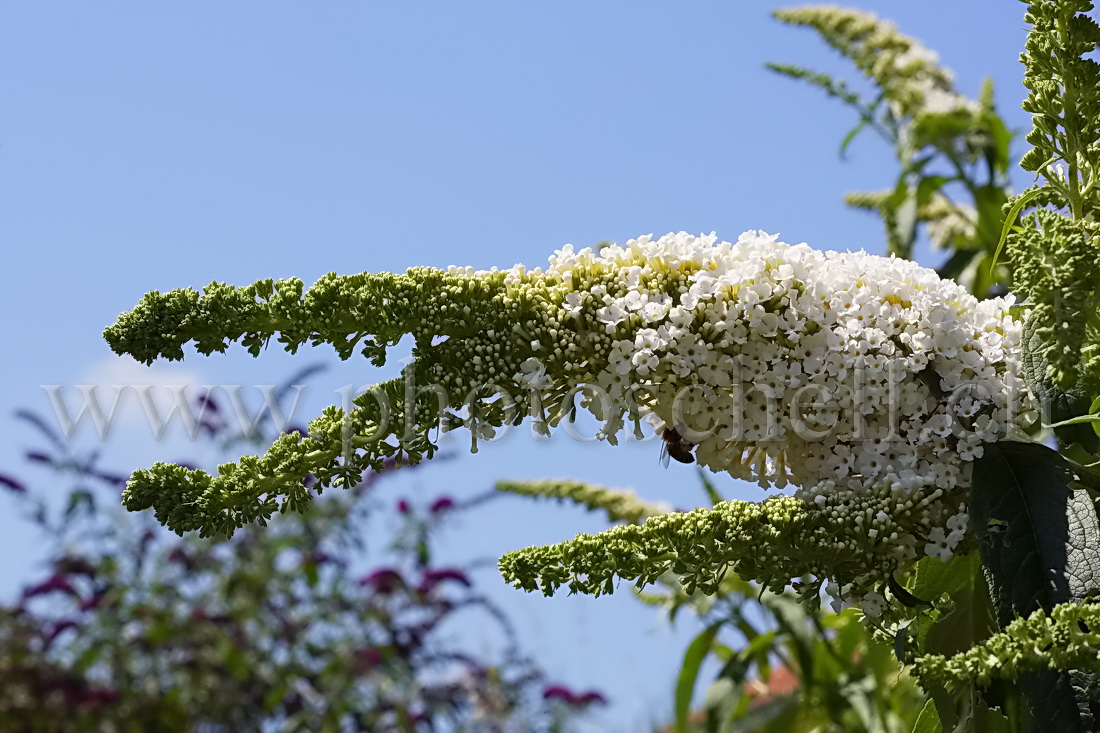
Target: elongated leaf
[
  {"x": 904, "y": 596},
  {"x": 863, "y": 122},
  {"x": 989, "y": 201},
  {"x": 1040, "y": 546},
  {"x": 905, "y": 219},
  {"x": 1010, "y": 219},
  {"x": 685, "y": 685},
  {"x": 1084, "y": 419},
  {"x": 928, "y": 721},
  {"x": 901, "y": 638}
]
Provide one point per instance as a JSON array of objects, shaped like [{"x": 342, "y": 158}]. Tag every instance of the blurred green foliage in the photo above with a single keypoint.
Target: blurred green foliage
[{"x": 288, "y": 627}]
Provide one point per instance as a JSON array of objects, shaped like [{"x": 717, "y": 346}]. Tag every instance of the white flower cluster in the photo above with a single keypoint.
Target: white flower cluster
[
  {"x": 834, "y": 372},
  {"x": 931, "y": 82}
]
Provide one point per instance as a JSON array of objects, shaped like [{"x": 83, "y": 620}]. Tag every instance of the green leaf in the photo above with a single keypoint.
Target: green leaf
[
  {"x": 928, "y": 721},
  {"x": 685, "y": 684},
  {"x": 852, "y": 135},
  {"x": 312, "y": 573},
  {"x": 80, "y": 498},
  {"x": 87, "y": 659},
  {"x": 929, "y": 185},
  {"x": 720, "y": 701},
  {"x": 1083, "y": 420},
  {"x": 989, "y": 201},
  {"x": 958, "y": 263},
  {"x": 1057, "y": 405},
  {"x": 904, "y": 596},
  {"x": 275, "y": 696},
  {"x": 1040, "y": 546},
  {"x": 968, "y": 615},
  {"x": 235, "y": 662},
  {"x": 901, "y": 638},
  {"x": 1002, "y": 138},
  {"x": 1010, "y": 219},
  {"x": 1045, "y": 549}
]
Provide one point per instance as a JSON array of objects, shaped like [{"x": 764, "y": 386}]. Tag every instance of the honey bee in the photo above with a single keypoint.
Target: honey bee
[{"x": 675, "y": 447}]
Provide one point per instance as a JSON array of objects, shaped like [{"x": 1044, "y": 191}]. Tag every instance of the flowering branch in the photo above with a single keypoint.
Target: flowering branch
[
  {"x": 868, "y": 383},
  {"x": 908, "y": 73},
  {"x": 1055, "y": 254},
  {"x": 1065, "y": 639},
  {"x": 855, "y": 539},
  {"x": 619, "y": 505}
]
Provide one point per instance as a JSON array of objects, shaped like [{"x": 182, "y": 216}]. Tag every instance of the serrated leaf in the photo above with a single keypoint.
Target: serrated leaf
[
  {"x": 1040, "y": 546},
  {"x": 1046, "y": 549},
  {"x": 1058, "y": 406}
]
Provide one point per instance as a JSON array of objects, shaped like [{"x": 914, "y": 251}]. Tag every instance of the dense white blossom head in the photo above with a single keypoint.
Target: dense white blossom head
[
  {"x": 837, "y": 373},
  {"x": 867, "y": 385}
]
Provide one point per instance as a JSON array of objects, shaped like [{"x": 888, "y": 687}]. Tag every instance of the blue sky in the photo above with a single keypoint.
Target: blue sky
[{"x": 160, "y": 146}]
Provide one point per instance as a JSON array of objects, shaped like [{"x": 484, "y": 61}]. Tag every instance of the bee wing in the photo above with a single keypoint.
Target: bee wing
[{"x": 664, "y": 454}]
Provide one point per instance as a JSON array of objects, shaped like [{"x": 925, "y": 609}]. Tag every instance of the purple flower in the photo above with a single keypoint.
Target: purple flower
[
  {"x": 432, "y": 578},
  {"x": 383, "y": 580},
  {"x": 205, "y": 399},
  {"x": 180, "y": 555},
  {"x": 93, "y": 602},
  {"x": 13, "y": 484},
  {"x": 101, "y": 696},
  {"x": 50, "y": 585},
  {"x": 59, "y": 628},
  {"x": 369, "y": 657},
  {"x": 442, "y": 504},
  {"x": 111, "y": 478},
  {"x": 572, "y": 699},
  {"x": 591, "y": 697},
  {"x": 557, "y": 692}
]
